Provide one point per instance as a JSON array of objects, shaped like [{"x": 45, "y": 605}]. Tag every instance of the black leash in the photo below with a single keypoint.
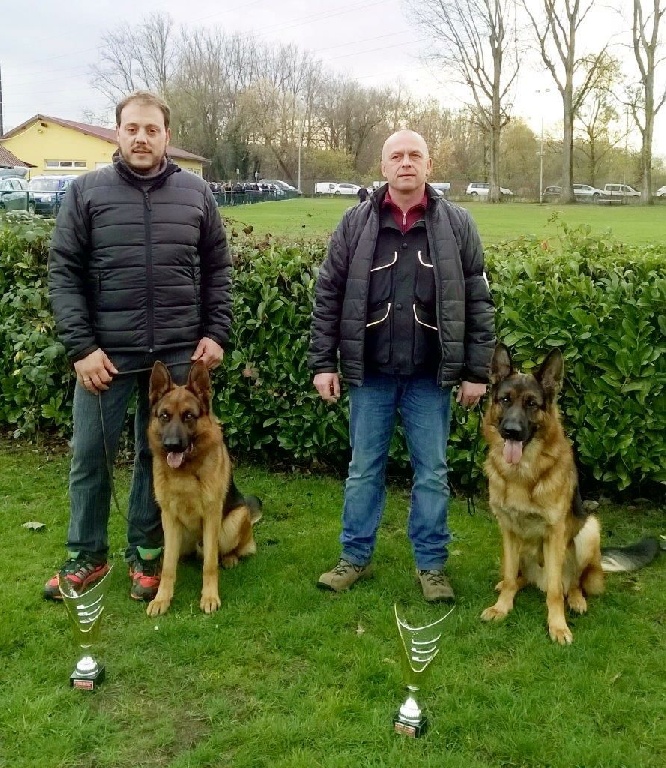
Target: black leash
[
  {"x": 109, "y": 463},
  {"x": 471, "y": 506}
]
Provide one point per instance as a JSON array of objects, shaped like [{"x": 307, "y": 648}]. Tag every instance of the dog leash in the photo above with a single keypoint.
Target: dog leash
[
  {"x": 471, "y": 506},
  {"x": 109, "y": 463}
]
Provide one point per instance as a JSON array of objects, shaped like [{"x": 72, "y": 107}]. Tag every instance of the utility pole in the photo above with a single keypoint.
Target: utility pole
[{"x": 2, "y": 130}]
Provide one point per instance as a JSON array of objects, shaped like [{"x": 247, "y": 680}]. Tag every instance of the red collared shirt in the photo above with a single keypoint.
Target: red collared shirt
[{"x": 406, "y": 220}]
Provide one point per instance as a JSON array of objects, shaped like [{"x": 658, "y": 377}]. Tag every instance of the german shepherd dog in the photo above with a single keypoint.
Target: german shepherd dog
[
  {"x": 547, "y": 538},
  {"x": 202, "y": 510}
]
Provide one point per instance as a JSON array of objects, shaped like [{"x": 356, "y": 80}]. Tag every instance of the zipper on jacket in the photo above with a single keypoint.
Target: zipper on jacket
[{"x": 150, "y": 299}]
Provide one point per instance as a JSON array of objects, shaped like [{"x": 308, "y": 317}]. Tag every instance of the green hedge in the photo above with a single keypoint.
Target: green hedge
[{"x": 601, "y": 302}]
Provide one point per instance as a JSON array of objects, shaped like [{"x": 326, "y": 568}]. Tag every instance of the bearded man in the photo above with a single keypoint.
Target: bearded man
[{"x": 139, "y": 271}]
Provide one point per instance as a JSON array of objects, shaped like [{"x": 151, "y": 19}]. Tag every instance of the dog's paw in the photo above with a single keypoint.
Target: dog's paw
[
  {"x": 210, "y": 603},
  {"x": 560, "y": 633},
  {"x": 493, "y": 614},
  {"x": 577, "y": 602},
  {"x": 158, "y": 607},
  {"x": 229, "y": 561}
]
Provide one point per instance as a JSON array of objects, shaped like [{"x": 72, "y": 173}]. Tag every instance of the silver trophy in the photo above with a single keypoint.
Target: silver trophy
[
  {"x": 85, "y": 611},
  {"x": 420, "y": 645}
]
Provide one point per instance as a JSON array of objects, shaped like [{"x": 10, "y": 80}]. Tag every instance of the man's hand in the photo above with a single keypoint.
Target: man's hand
[
  {"x": 469, "y": 393},
  {"x": 208, "y": 351},
  {"x": 328, "y": 386},
  {"x": 95, "y": 371}
]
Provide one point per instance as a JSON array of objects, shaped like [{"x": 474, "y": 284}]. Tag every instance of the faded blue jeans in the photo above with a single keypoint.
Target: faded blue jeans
[
  {"x": 89, "y": 482},
  {"x": 425, "y": 411}
]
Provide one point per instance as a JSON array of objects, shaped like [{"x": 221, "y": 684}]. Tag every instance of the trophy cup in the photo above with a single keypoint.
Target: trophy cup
[
  {"x": 85, "y": 611},
  {"x": 420, "y": 648}
]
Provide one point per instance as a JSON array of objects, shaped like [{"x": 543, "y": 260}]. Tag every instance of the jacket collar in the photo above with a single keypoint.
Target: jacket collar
[
  {"x": 379, "y": 194},
  {"x": 150, "y": 182}
]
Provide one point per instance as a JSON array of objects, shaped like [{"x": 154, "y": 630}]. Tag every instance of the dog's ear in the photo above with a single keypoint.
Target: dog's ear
[
  {"x": 199, "y": 382},
  {"x": 160, "y": 383},
  {"x": 551, "y": 374},
  {"x": 501, "y": 365}
]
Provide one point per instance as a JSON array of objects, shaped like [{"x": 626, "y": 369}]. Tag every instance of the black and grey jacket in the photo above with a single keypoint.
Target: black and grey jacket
[
  {"x": 463, "y": 304},
  {"x": 139, "y": 267}
]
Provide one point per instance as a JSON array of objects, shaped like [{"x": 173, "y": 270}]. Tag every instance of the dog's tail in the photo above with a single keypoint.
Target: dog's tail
[
  {"x": 255, "y": 505},
  {"x": 630, "y": 558}
]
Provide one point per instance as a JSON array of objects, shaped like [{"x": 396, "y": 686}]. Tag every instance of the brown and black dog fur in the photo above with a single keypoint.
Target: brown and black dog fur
[
  {"x": 193, "y": 482},
  {"x": 547, "y": 538}
]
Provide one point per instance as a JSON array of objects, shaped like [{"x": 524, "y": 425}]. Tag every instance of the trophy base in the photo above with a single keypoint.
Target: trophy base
[
  {"x": 87, "y": 681},
  {"x": 410, "y": 728}
]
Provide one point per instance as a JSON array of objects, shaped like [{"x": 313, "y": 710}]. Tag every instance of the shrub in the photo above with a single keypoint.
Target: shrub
[
  {"x": 604, "y": 304},
  {"x": 33, "y": 369},
  {"x": 601, "y": 302}
]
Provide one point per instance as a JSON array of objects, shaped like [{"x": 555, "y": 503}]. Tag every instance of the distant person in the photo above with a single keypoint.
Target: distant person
[
  {"x": 363, "y": 194},
  {"x": 139, "y": 271},
  {"x": 402, "y": 298}
]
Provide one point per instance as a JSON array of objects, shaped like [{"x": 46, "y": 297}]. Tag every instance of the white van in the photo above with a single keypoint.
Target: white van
[{"x": 336, "y": 188}]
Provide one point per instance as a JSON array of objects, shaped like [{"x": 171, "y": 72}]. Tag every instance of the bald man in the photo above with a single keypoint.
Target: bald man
[{"x": 403, "y": 304}]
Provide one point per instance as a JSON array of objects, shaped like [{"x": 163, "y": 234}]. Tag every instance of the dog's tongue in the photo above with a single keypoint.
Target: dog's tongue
[
  {"x": 174, "y": 460},
  {"x": 513, "y": 450}
]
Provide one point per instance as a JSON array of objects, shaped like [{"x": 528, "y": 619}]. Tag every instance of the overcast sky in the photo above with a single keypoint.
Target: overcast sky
[{"x": 47, "y": 48}]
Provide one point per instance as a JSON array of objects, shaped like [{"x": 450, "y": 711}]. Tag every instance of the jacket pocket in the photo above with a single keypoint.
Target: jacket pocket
[
  {"x": 381, "y": 280},
  {"x": 426, "y": 337},
  {"x": 425, "y": 281},
  {"x": 378, "y": 335}
]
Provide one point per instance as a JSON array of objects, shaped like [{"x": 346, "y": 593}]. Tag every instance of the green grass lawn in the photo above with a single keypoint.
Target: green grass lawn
[
  {"x": 314, "y": 217},
  {"x": 287, "y": 676}
]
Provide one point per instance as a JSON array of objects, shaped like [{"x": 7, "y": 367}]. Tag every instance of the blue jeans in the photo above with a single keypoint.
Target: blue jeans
[
  {"x": 89, "y": 482},
  {"x": 425, "y": 410}
]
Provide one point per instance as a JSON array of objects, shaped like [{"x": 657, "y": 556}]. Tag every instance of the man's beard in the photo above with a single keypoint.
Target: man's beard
[{"x": 142, "y": 171}]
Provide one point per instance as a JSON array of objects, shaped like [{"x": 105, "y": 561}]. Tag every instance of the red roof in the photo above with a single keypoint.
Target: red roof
[
  {"x": 106, "y": 134},
  {"x": 9, "y": 160}
]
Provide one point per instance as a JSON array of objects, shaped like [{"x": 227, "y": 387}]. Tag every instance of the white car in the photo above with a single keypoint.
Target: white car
[
  {"x": 621, "y": 190},
  {"x": 482, "y": 189},
  {"x": 661, "y": 192},
  {"x": 336, "y": 188},
  {"x": 443, "y": 188},
  {"x": 280, "y": 186},
  {"x": 586, "y": 191}
]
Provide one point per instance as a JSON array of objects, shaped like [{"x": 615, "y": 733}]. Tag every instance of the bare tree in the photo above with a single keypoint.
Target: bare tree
[
  {"x": 477, "y": 46},
  {"x": 133, "y": 58},
  {"x": 214, "y": 71},
  {"x": 597, "y": 113},
  {"x": 556, "y": 30},
  {"x": 646, "y": 104}
]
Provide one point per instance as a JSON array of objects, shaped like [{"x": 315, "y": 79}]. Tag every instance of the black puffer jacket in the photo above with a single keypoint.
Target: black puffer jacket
[
  {"x": 139, "y": 270},
  {"x": 465, "y": 312}
]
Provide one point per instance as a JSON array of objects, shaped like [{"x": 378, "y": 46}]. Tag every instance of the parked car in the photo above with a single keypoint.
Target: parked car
[
  {"x": 620, "y": 190},
  {"x": 48, "y": 192},
  {"x": 661, "y": 192},
  {"x": 15, "y": 196},
  {"x": 281, "y": 186},
  {"x": 15, "y": 173},
  {"x": 482, "y": 189},
  {"x": 587, "y": 192},
  {"x": 336, "y": 188},
  {"x": 551, "y": 193},
  {"x": 443, "y": 188}
]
